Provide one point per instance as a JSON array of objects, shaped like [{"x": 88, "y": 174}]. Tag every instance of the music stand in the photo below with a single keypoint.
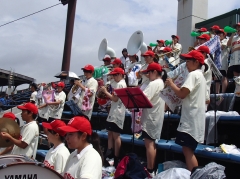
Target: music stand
[{"x": 133, "y": 98}]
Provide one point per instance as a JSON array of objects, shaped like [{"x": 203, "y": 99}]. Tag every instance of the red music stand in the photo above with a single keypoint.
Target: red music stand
[{"x": 133, "y": 98}]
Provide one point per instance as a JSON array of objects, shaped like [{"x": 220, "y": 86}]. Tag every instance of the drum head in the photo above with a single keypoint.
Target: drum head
[
  {"x": 28, "y": 170},
  {"x": 8, "y": 159}
]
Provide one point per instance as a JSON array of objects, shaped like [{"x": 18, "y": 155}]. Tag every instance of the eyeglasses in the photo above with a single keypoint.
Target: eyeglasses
[{"x": 87, "y": 71}]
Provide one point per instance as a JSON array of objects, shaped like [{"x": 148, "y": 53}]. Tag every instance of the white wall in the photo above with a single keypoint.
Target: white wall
[{"x": 190, "y": 12}]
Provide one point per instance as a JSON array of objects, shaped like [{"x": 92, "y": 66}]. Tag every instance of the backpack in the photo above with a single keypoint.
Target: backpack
[{"x": 130, "y": 168}]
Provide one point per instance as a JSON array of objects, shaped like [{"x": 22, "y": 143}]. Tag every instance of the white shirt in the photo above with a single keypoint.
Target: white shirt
[
  {"x": 34, "y": 96},
  {"x": 74, "y": 93},
  {"x": 178, "y": 47},
  {"x": 152, "y": 118},
  {"x": 92, "y": 85},
  {"x": 132, "y": 76},
  {"x": 192, "y": 119},
  {"x": 224, "y": 54},
  {"x": 57, "y": 114},
  {"x": 117, "y": 110},
  {"x": 29, "y": 134},
  {"x": 125, "y": 61},
  {"x": 235, "y": 56},
  {"x": 145, "y": 79},
  {"x": 56, "y": 158},
  {"x": 85, "y": 165}
]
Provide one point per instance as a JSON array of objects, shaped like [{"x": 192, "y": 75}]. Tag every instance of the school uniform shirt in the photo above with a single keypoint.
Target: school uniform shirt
[
  {"x": 34, "y": 96},
  {"x": 117, "y": 110},
  {"x": 29, "y": 134},
  {"x": 178, "y": 47},
  {"x": 57, "y": 114},
  {"x": 192, "y": 119},
  {"x": 76, "y": 94},
  {"x": 208, "y": 77},
  {"x": 224, "y": 55},
  {"x": 126, "y": 62},
  {"x": 152, "y": 118},
  {"x": 235, "y": 56},
  {"x": 92, "y": 85},
  {"x": 56, "y": 158},
  {"x": 85, "y": 165},
  {"x": 132, "y": 76}
]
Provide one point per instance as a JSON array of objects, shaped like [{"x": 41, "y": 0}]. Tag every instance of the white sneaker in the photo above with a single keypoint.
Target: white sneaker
[{"x": 152, "y": 175}]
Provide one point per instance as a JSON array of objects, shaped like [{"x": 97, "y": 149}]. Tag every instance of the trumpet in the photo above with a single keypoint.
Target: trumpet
[
  {"x": 75, "y": 88},
  {"x": 163, "y": 54}
]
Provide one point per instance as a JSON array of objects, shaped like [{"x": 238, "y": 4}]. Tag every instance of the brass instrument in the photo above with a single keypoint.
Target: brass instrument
[
  {"x": 11, "y": 127},
  {"x": 163, "y": 54},
  {"x": 101, "y": 94},
  {"x": 75, "y": 88},
  {"x": 214, "y": 69}
]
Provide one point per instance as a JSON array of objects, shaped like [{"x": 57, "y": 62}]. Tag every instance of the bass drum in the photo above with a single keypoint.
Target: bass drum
[
  {"x": 9, "y": 159},
  {"x": 28, "y": 170}
]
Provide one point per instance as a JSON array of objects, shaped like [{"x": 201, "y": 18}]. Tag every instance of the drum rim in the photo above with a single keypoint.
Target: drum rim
[{"x": 33, "y": 163}]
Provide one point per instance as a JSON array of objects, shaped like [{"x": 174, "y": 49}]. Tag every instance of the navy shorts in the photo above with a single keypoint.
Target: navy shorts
[
  {"x": 231, "y": 69},
  {"x": 111, "y": 126},
  {"x": 146, "y": 136},
  {"x": 186, "y": 140}
]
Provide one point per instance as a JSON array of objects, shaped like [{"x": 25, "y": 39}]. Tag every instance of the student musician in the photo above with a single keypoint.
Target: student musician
[
  {"x": 57, "y": 156},
  {"x": 176, "y": 48},
  {"x": 88, "y": 91},
  {"x": 159, "y": 46},
  {"x": 28, "y": 142},
  {"x": 169, "y": 60},
  {"x": 7, "y": 150},
  {"x": 116, "y": 116},
  {"x": 74, "y": 93},
  {"x": 33, "y": 98},
  {"x": 55, "y": 108},
  {"x": 193, "y": 91},
  {"x": 152, "y": 118},
  {"x": 134, "y": 68},
  {"x": 234, "y": 44},
  {"x": 124, "y": 59},
  {"x": 86, "y": 161}
]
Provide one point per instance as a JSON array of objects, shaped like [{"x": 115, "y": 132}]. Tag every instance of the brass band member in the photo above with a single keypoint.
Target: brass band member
[
  {"x": 88, "y": 91},
  {"x": 176, "y": 47}
]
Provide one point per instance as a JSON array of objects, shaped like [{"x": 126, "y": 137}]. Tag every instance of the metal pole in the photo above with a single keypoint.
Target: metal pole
[{"x": 68, "y": 35}]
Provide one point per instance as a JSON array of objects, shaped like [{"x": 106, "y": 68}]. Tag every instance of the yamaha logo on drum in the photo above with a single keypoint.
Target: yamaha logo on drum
[{"x": 26, "y": 176}]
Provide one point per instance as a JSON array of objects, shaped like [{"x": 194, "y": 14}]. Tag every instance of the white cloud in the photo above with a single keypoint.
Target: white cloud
[{"x": 34, "y": 46}]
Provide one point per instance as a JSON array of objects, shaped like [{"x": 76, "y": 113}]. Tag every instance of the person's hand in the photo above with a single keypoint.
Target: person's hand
[
  {"x": 169, "y": 82},
  {"x": 78, "y": 82},
  {"x": 5, "y": 135},
  {"x": 103, "y": 89}
]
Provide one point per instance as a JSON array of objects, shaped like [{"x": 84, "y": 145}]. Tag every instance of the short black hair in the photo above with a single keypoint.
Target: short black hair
[
  {"x": 34, "y": 85},
  {"x": 124, "y": 50}
]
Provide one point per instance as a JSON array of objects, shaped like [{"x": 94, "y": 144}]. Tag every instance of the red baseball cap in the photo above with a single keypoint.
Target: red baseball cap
[
  {"x": 167, "y": 49},
  {"x": 193, "y": 54},
  {"x": 88, "y": 68},
  {"x": 203, "y": 48},
  {"x": 116, "y": 61},
  {"x": 107, "y": 59},
  {"x": 175, "y": 36},
  {"x": 117, "y": 71},
  {"x": 61, "y": 84},
  {"x": 30, "y": 107},
  {"x": 161, "y": 41},
  {"x": 78, "y": 123},
  {"x": 153, "y": 66},
  {"x": 204, "y": 36},
  {"x": 148, "y": 53},
  {"x": 215, "y": 27},
  {"x": 238, "y": 24},
  {"x": 9, "y": 115},
  {"x": 222, "y": 31},
  {"x": 54, "y": 125},
  {"x": 203, "y": 29}
]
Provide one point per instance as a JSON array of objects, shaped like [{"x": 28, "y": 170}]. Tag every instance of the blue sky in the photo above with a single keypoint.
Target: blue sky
[{"x": 34, "y": 46}]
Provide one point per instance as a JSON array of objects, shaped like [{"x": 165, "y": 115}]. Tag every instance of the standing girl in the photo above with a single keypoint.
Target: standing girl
[
  {"x": 115, "y": 119},
  {"x": 152, "y": 118},
  {"x": 191, "y": 127}
]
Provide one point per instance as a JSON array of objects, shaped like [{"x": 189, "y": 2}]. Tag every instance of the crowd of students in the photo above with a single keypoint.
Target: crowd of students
[{"x": 160, "y": 67}]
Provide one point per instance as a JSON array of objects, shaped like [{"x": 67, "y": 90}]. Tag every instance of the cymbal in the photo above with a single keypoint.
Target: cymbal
[{"x": 11, "y": 127}]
